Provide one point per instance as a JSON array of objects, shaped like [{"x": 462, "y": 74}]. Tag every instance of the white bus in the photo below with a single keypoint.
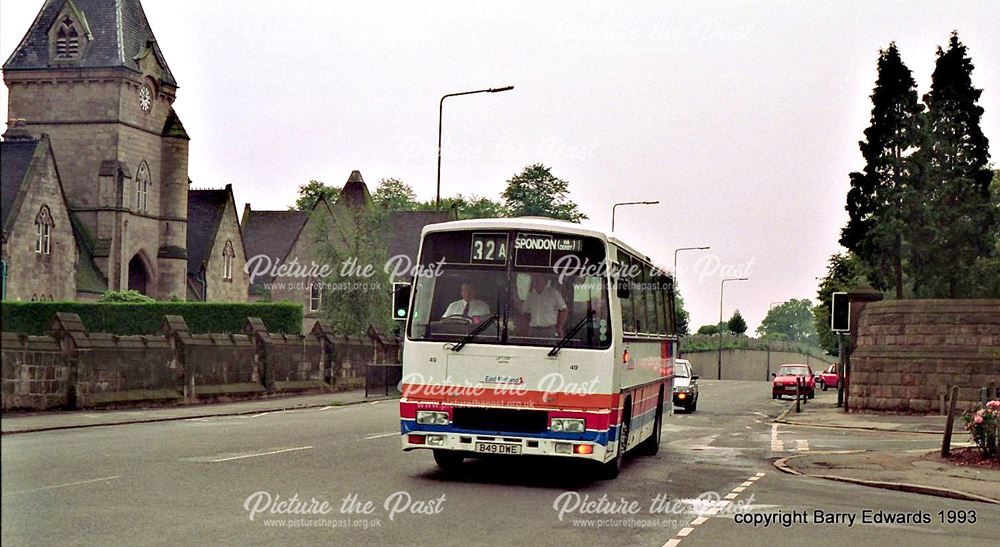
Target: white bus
[{"x": 533, "y": 336}]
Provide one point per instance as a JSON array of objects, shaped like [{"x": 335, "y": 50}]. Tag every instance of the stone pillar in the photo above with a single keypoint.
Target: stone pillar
[
  {"x": 178, "y": 334},
  {"x": 68, "y": 329},
  {"x": 257, "y": 332},
  {"x": 324, "y": 334},
  {"x": 858, "y": 298}
]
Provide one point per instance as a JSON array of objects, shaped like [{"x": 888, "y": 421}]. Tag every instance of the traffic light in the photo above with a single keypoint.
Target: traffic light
[
  {"x": 400, "y": 300},
  {"x": 840, "y": 312}
]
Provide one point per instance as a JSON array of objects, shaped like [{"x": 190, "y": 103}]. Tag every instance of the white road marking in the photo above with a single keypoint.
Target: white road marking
[
  {"x": 759, "y": 475},
  {"x": 698, "y": 521},
  {"x": 382, "y": 435},
  {"x": 257, "y": 454},
  {"x": 746, "y": 483},
  {"x": 685, "y": 531},
  {"x": 711, "y": 511},
  {"x": 672, "y": 543},
  {"x": 739, "y": 489},
  {"x": 731, "y": 496},
  {"x": 64, "y": 485},
  {"x": 801, "y": 445}
]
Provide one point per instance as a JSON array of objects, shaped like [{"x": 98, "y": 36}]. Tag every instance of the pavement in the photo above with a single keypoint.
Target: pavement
[
  {"x": 252, "y": 478},
  {"x": 889, "y": 466},
  {"x": 49, "y": 421}
]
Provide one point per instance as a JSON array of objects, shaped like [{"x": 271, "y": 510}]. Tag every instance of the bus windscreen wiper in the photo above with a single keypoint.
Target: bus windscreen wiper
[
  {"x": 572, "y": 332},
  {"x": 475, "y": 332}
]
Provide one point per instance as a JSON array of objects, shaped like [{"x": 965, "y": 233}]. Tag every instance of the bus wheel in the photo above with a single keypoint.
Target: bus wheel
[
  {"x": 610, "y": 469},
  {"x": 652, "y": 445},
  {"x": 448, "y": 460}
]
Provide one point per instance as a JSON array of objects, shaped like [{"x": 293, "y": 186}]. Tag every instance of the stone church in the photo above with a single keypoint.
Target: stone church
[{"x": 95, "y": 167}]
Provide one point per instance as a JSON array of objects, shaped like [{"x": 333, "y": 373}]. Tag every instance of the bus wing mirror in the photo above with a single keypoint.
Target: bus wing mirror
[
  {"x": 400, "y": 300},
  {"x": 623, "y": 289}
]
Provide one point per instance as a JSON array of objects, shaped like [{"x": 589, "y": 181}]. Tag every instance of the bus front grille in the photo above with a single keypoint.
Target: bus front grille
[{"x": 500, "y": 419}]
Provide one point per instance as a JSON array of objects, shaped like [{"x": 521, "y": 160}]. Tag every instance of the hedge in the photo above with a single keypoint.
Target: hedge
[{"x": 147, "y": 318}]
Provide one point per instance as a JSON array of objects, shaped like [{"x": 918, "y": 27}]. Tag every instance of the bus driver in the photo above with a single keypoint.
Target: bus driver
[{"x": 468, "y": 306}]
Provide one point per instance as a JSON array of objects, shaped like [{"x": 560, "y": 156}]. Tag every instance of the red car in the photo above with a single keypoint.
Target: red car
[
  {"x": 827, "y": 378},
  {"x": 783, "y": 382}
]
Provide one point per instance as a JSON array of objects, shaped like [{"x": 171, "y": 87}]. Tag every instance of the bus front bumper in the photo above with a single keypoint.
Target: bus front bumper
[{"x": 485, "y": 445}]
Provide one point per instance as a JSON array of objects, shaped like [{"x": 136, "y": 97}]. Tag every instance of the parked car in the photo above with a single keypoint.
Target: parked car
[
  {"x": 685, "y": 386},
  {"x": 827, "y": 378},
  {"x": 783, "y": 382}
]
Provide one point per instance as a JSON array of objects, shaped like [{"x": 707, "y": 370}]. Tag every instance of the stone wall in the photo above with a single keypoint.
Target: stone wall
[
  {"x": 909, "y": 352},
  {"x": 743, "y": 364},
  {"x": 73, "y": 368}
]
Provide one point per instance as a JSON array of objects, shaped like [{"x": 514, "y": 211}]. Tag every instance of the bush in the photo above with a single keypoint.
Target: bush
[
  {"x": 125, "y": 296},
  {"x": 982, "y": 427},
  {"x": 147, "y": 318}
]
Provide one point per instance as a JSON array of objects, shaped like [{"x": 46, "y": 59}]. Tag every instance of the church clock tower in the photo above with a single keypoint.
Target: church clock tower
[{"x": 90, "y": 74}]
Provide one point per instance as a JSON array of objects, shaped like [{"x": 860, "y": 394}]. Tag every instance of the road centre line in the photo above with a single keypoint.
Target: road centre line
[
  {"x": 244, "y": 456},
  {"x": 64, "y": 485},
  {"x": 381, "y": 435},
  {"x": 712, "y": 511}
]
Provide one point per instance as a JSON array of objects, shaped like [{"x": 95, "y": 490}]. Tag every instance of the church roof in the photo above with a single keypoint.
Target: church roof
[
  {"x": 403, "y": 229},
  {"x": 118, "y": 32},
  {"x": 204, "y": 214},
  {"x": 271, "y": 233},
  {"x": 15, "y": 158}
]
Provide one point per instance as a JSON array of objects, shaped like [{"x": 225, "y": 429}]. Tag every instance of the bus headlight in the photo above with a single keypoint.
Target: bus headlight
[
  {"x": 431, "y": 417},
  {"x": 568, "y": 425}
]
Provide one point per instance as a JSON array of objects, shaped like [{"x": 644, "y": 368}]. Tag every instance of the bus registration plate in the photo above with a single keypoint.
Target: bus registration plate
[{"x": 497, "y": 448}]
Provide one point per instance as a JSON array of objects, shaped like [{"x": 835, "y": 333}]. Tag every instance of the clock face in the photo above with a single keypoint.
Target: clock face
[{"x": 145, "y": 98}]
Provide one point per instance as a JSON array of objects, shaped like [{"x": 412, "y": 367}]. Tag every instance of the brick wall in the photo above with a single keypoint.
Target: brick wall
[
  {"x": 73, "y": 368},
  {"x": 908, "y": 352}
]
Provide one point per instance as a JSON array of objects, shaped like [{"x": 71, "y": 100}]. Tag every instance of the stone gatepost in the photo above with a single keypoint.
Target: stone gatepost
[
  {"x": 179, "y": 335},
  {"x": 324, "y": 334},
  {"x": 68, "y": 330},
  {"x": 858, "y": 297},
  {"x": 257, "y": 332}
]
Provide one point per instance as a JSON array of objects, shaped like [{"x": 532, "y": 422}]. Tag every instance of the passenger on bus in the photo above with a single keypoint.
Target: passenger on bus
[
  {"x": 468, "y": 307},
  {"x": 546, "y": 307}
]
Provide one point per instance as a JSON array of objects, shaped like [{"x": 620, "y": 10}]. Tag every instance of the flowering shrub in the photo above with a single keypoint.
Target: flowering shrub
[{"x": 982, "y": 425}]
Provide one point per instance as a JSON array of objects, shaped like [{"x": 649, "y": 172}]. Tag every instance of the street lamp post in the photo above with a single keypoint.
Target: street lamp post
[
  {"x": 615, "y": 206},
  {"x": 722, "y": 292},
  {"x": 437, "y": 201},
  {"x": 675, "y": 257}
]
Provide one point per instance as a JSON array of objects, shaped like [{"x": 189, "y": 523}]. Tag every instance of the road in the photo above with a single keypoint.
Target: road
[{"x": 189, "y": 482}]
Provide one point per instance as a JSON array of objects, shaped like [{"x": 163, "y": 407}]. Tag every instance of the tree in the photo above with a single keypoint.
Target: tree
[
  {"x": 682, "y": 315},
  {"x": 535, "y": 191},
  {"x": 882, "y": 197},
  {"x": 792, "y": 320},
  {"x": 309, "y": 193},
  {"x": 394, "y": 195},
  {"x": 960, "y": 226},
  {"x": 467, "y": 207},
  {"x": 843, "y": 273},
  {"x": 708, "y": 330},
  {"x": 736, "y": 324}
]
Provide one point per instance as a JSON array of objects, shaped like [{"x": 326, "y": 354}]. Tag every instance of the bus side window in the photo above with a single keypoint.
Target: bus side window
[
  {"x": 650, "y": 299},
  {"x": 661, "y": 323},
  {"x": 628, "y": 304}
]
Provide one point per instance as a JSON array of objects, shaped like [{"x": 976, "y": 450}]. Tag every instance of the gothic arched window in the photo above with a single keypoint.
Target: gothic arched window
[
  {"x": 43, "y": 231},
  {"x": 67, "y": 40},
  {"x": 142, "y": 188},
  {"x": 227, "y": 261}
]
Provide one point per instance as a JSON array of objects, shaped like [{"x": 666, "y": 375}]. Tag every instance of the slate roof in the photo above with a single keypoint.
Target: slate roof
[
  {"x": 15, "y": 158},
  {"x": 204, "y": 214},
  {"x": 119, "y": 31},
  {"x": 271, "y": 233},
  {"x": 404, "y": 227},
  {"x": 355, "y": 193}
]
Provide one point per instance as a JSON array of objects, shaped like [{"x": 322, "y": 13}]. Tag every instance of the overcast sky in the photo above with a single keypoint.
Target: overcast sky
[{"x": 742, "y": 118}]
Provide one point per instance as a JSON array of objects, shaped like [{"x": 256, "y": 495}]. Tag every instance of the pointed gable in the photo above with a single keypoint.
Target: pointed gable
[
  {"x": 204, "y": 214},
  {"x": 355, "y": 194},
  {"x": 110, "y": 33}
]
